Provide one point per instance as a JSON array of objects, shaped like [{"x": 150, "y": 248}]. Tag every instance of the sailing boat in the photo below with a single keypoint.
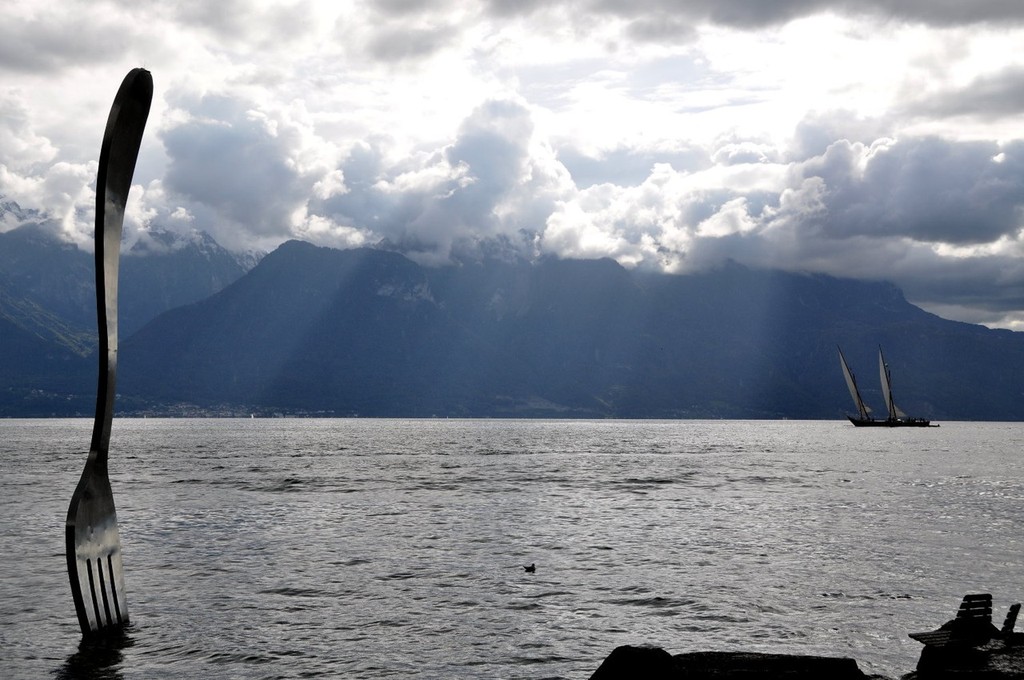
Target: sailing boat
[{"x": 896, "y": 417}]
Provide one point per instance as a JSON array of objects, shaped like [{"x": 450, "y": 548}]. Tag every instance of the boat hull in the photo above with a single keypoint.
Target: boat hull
[{"x": 890, "y": 422}]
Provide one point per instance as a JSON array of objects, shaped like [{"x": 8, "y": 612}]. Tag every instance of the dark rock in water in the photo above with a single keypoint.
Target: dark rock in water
[
  {"x": 657, "y": 664},
  {"x": 653, "y": 663},
  {"x": 723, "y": 665}
]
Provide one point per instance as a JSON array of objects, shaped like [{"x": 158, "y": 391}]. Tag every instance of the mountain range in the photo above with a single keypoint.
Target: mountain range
[{"x": 368, "y": 332}]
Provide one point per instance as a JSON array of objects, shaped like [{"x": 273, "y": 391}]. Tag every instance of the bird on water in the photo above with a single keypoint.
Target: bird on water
[{"x": 530, "y": 569}]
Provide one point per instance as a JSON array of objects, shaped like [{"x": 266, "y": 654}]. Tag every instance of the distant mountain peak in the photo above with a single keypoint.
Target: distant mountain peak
[
  {"x": 9, "y": 208},
  {"x": 41, "y": 234},
  {"x": 12, "y": 213},
  {"x": 157, "y": 241},
  {"x": 28, "y": 225}
]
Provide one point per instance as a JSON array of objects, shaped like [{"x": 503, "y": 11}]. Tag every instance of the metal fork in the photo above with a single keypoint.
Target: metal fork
[{"x": 92, "y": 540}]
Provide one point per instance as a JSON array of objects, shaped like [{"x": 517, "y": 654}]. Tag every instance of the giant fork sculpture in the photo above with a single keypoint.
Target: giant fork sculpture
[{"x": 93, "y": 544}]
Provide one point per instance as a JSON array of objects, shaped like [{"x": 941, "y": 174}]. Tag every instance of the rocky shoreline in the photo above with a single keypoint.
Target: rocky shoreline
[{"x": 968, "y": 646}]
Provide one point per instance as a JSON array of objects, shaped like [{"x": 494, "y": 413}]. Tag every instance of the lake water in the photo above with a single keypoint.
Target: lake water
[{"x": 287, "y": 548}]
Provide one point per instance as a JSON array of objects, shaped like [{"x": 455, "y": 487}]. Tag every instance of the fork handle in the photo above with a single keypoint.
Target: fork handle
[{"x": 118, "y": 154}]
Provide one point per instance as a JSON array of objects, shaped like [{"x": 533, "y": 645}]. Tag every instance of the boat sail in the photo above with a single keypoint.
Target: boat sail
[
  {"x": 885, "y": 378},
  {"x": 863, "y": 410},
  {"x": 896, "y": 417}
]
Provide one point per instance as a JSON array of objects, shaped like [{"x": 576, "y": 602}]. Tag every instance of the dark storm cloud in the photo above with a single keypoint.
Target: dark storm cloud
[
  {"x": 727, "y": 12},
  {"x": 403, "y": 7},
  {"x": 448, "y": 196},
  {"x": 225, "y": 17},
  {"x": 661, "y": 29},
  {"x": 747, "y": 14},
  {"x": 492, "y": 144},
  {"x": 240, "y": 22},
  {"x": 926, "y": 189},
  {"x": 988, "y": 97},
  {"x": 508, "y": 8},
  {"x": 994, "y": 284},
  {"x": 368, "y": 203},
  {"x": 230, "y": 160},
  {"x": 408, "y": 30},
  {"x": 888, "y": 210},
  {"x": 61, "y": 40},
  {"x": 401, "y": 43},
  {"x": 818, "y": 131},
  {"x": 938, "y": 12}
]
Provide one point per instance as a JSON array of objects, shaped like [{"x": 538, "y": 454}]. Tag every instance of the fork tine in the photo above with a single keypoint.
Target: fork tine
[
  {"x": 92, "y": 593},
  {"x": 115, "y": 589},
  {"x": 103, "y": 593},
  {"x": 99, "y": 576}
]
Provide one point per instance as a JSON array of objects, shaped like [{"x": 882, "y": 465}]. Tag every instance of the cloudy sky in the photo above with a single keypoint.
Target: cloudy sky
[{"x": 882, "y": 142}]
